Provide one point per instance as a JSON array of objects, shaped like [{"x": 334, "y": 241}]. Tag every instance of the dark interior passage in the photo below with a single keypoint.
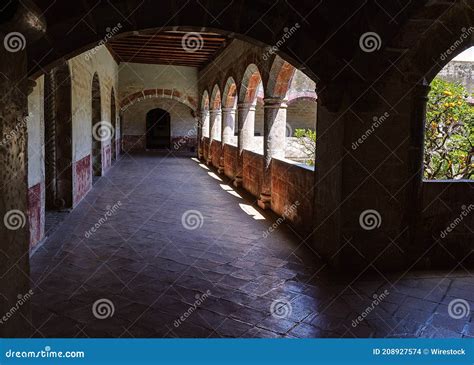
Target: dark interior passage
[{"x": 158, "y": 129}]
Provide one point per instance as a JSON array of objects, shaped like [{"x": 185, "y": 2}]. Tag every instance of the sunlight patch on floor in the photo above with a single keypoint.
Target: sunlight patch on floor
[
  {"x": 231, "y": 191},
  {"x": 214, "y": 176},
  {"x": 251, "y": 211}
]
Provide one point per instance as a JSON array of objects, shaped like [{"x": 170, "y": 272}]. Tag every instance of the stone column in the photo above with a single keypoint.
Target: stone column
[
  {"x": 199, "y": 134},
  {"x": 204, "y": 132},
  {"x": 227, "y": 132},
  {"x": 415, "y": 168},
  {"x": 215, "y": 123},
  {"x": 328, "y": 171},
  {"x": 246, "y": 125},
  {"x": 274, "y": 140}
]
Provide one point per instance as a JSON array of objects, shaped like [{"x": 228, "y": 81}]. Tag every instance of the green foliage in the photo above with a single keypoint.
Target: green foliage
[
  {"x": 449, "y": 132},
  {"x": 307, "y": 140}
]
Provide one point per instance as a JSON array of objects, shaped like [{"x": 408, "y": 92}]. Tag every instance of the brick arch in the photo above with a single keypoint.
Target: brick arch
[
  {"x": 216, "y": 100},
  {"x": 158, "y": 93},
  {"x": 250, "y": 84},
  {"x": 205, "y": 100},
  {"x": 229, "y": 95},
  {"x": 237, "y": 70},
  {"x": 301, "y": 95},
  {"x": 281, "y": 75}
]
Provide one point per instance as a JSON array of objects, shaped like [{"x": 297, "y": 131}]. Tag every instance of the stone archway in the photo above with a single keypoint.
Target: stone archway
[{"x": 131, "y": 99}]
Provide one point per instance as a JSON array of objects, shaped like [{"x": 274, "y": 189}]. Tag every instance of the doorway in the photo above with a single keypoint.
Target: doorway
[{"x": 158, "y": 129}]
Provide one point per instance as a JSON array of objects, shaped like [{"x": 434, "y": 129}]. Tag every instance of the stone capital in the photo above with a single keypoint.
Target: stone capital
[
  {"x": 246, "y": 106},
  {"x": 229, "y": 110},
  {"x": 276, "y": 103}
]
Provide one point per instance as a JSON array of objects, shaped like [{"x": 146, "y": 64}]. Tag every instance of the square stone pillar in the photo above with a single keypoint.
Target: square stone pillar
[
  {"x": 368, "y": 174},
  {"x": 14, "y": 225}
]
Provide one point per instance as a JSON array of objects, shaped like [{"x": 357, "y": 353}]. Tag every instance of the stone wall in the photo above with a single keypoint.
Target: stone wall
[
  {"x": 293, "y": 193},
  {"x": 36, "y": 169},
  {"x": 252, "y": 176},
  {"x": 259, "y": 119},
  {"x": 459, "y": 71},
  {"x": 301, "y": 113},
  {"x": 447, "y": 220},
  {"x": 82, "y": 69},
  {"x": 295, "y": 150},
  {"x": 216, "y": 148},
  {"x": 231, "y": 154},
  {"x": 183, "y": 123},
  {"x": 172, "y": 88},
  {"x": 135, "y": 77}
]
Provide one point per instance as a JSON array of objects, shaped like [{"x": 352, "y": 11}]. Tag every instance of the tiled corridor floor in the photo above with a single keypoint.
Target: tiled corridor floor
[{"x": 152, "y": 276}]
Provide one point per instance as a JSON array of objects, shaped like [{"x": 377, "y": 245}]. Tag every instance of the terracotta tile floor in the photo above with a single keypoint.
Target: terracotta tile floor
[{"x": 150, "y": 276}]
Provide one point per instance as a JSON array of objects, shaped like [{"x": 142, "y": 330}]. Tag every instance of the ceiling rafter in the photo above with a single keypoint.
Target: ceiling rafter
[{"x": 172, "y": 47}]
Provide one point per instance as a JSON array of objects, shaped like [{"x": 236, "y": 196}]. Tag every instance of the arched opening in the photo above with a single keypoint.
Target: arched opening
[
  {"x": 229, "y": 113},
  {"x": 158, "y": 129},
  {"x": 58, "y": 138},
  {"x": 96, "y": 118},
  {"x": 251, "y": 91},
  {"x": 205, "y": 114},
  {"x": 293, "y": 88},
  {"x": 378, "y": 177},
  {"x": 449, "y": 124},
  {"x": 113, "y": 121},
  {"x": 442, "y": 144},
  {"x": 215, "y": 114}
]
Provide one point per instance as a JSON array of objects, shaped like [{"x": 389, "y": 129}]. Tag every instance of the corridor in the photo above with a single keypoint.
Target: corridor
[{"x": 162, "y": 248}]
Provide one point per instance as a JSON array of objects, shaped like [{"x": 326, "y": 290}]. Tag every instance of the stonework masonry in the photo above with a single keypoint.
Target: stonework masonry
[
  {"x": 82, "y": 69},
  {"x": 171, "y": 88}
]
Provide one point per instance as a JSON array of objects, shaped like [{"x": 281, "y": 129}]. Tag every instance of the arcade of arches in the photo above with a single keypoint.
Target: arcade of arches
[{"x": 181, "y": 172}]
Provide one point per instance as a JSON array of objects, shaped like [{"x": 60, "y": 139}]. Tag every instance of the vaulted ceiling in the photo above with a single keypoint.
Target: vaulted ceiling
[{"x": 171, "y": 47}]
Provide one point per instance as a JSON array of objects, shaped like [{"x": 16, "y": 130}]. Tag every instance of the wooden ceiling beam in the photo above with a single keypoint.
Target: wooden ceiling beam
[
  {"x": 166, "y": 48},
  {"x": 178, "y": 37},
  {"x": 158, "y": 49},
  {"x": 161, "y": 44},
  {"x": 164, "y": 62},
  {"x": 195, "y": 54}
]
